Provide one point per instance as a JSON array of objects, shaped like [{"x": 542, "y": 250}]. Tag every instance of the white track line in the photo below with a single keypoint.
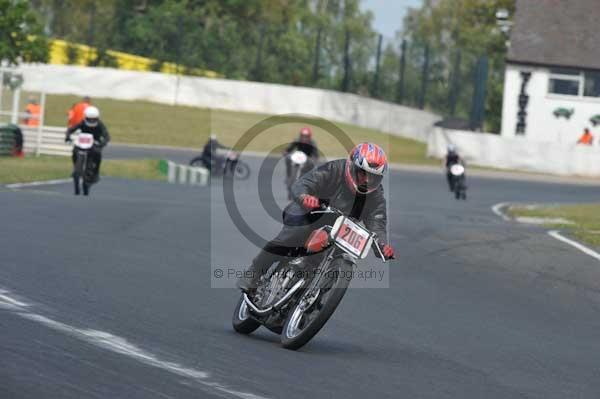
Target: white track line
[
  {"x": 114, "y": 343},
  {"x": 497, "y": 210},
  {"x": 552, "y": 233},
  {"x": 581, "y": 247},
  {"x": 38, "y": 183}
]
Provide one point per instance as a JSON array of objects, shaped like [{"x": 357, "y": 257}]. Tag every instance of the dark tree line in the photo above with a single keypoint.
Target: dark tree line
[{"x": 320, "y": 43}]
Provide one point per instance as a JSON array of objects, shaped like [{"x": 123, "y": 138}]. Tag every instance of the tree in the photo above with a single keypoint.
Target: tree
[
  {"x": 268, "y": 40},
  {"x": 21, "y": 37},
  {"x": 468, "y": 26}
]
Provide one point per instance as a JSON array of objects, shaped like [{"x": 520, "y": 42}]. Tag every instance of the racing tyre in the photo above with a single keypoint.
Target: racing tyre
[
  {"x": 197, "y": 162},
  {"x": 242, "y": 322},
  {"x": 242, "y": 171},
  {"x": 314, "y": 308}
]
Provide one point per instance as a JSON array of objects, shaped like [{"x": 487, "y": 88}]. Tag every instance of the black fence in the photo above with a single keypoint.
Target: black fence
[{"x": 461, "y": 85}]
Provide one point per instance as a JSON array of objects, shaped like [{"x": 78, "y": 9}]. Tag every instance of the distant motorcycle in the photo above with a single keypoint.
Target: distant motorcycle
[
  {"x": 84, "y": 168},
  {"x": 299, "y": 164},
  {"x": 228, "y": 164},
  {"x": 296, "y": 298},
  {"x": 457, "y": 181}
]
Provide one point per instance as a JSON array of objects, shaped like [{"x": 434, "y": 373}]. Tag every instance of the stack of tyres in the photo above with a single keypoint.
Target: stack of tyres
[{"x": 9, "y": 135}]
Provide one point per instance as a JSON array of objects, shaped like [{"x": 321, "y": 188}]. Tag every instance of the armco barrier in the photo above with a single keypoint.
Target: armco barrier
[
  {"x": 492, "y": 150},
  {"x": 271, "y": 99}
]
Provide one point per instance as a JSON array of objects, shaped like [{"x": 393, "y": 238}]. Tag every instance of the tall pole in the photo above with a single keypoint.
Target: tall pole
[
  {"x": 424, "y": 78},
  {"x": 479, "y": 93},
  {"x": 346, "y": 79},
  {"x": 400, "y": 92},
  {"x": 258, "y": 63},
  {"x": 315, "y": 77},
  {"x": 377, "y": 65},
  {"x": 454, "y": 86},
  {"x": 178, "y": 58}
]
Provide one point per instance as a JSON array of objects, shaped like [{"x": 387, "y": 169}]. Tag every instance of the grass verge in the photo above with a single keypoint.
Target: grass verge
[
  {"x": 28, "y": 169},
  {"x": 141, "y": 122},
  {"x": 586, "y": 219}
]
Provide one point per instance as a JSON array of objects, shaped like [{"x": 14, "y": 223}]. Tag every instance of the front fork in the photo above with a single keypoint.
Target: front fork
[{"x": 313, "y": 290}]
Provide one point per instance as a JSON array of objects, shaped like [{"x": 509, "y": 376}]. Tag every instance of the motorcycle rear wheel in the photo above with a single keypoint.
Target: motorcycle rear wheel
[
  {"x": 242, "y": 171},
  {"x": 301, "y": 326}
]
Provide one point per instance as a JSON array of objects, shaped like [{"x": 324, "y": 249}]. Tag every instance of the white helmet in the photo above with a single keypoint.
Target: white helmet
[
  {"x": 451, "y": 148},
  {"x": 91, "y": 116}
]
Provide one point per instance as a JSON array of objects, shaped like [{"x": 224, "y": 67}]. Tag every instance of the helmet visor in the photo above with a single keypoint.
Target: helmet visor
[
  {"x": 366, "y": 182},
  {"x": 92, "y": 122}
]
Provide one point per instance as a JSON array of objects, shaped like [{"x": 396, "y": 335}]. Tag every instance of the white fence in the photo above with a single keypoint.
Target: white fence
[
  {"x": 516, "y": 153},
  {"x": 45, "y": 140},
  {"x": 271, "y": 99}
]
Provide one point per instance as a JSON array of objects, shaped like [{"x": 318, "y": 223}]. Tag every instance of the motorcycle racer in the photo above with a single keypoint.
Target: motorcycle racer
[
  {"x": 304, "y": 143},
  {"x": 91, "y": 124},
  {"x": 352, "y": 185}
]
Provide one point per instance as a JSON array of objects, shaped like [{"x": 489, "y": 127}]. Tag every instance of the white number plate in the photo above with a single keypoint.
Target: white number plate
[
  {"x": 84, "y": 141},
  {"x": 353, "y": 238}
]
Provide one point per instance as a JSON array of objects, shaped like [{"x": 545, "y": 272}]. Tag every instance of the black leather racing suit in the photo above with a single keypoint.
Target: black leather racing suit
[
  {"x": 310, "y": 149},
  {"x": 327, "y": 183},
  {"x": 452, "y": 158},
  {"x": 209, "y": 154},
  {"x": 101, "y": 136}
]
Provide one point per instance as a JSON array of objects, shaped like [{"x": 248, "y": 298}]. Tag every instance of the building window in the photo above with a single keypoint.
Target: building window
[
  {"x": 592, "y": 84},
  {"x": 572, "y": 82},
  {"x": 565, "y": 81},
  {"x": 564, "y": 86}
]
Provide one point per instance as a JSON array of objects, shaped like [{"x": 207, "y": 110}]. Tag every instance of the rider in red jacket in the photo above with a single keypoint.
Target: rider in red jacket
[{"x": 352, "y": 185}]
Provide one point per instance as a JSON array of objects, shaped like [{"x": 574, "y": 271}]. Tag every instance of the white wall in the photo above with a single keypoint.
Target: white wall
[
  {"x": 542, "y": 125},
  {"x": 517, "y": 153},
  {"x": 230, "y": 95}
]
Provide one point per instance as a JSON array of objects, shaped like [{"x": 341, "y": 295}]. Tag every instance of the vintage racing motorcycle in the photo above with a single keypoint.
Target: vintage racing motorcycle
[{"x": 295, "y": 298}]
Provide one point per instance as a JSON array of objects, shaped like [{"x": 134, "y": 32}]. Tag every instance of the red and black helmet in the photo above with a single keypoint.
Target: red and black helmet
[
  {"x": 365, "y": 168},
  {"x": 305, "y": 134}
]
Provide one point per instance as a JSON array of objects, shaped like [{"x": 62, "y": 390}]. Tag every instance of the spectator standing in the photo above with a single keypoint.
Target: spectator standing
[
  {"x": 33, "y": 111},
  {"x": 76, "y": 113},
  {"x": 586, "y": 138}
]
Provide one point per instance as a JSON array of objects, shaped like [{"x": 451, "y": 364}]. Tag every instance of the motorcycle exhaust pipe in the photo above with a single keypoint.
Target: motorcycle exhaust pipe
[{"x": 282, "y": 301}]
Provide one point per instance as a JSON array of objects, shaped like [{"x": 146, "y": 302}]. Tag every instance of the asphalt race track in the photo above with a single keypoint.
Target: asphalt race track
[{"x": 110, "y": 297}]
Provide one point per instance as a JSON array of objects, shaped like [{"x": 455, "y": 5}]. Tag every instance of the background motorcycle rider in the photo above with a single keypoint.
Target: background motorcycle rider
[
  {"x": 91, "y": 124},
  {"x": 352, "y": 185},
  {"x": 451, "y": 158},
  {"x": 210, "y": 158},
  {"x": 307, "y": 145}
]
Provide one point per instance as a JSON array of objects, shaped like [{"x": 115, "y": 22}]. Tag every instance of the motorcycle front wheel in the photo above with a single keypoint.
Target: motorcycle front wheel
[
  {"x": 242, "y": 322},
  {"x": 316, "y": 305}
]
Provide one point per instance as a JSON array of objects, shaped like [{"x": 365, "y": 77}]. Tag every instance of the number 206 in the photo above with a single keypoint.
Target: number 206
[{"x": 352, "y": 238}]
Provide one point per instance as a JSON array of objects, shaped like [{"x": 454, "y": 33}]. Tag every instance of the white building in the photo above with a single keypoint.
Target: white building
[{"x": 552, "y": 78}]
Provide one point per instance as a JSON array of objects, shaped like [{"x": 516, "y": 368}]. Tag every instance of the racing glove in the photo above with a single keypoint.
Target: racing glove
[
  {"x": 388, "y": 252},
  {"x": 310, "y": 202}
]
